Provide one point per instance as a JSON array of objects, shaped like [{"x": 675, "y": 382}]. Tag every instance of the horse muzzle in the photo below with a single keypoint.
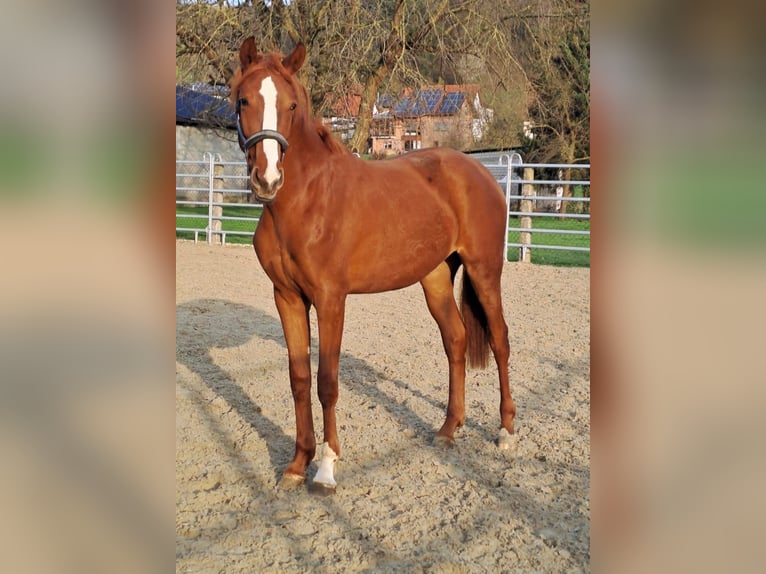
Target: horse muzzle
[
  {"x": 266, "y": 185},
  {"x": 265, "y": 191}
]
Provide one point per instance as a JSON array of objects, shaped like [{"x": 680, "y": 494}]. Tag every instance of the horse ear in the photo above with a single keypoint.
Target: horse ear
[
  {"x": 247, "y": 53},
  {"x": 294, "y": 61}
]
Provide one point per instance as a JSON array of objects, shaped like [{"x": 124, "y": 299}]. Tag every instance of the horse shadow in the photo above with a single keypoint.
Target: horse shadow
[{"x": 199, "y": 331}]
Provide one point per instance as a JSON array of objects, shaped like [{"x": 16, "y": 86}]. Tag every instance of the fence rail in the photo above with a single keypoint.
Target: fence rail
[{"x": 212, "y": 201}]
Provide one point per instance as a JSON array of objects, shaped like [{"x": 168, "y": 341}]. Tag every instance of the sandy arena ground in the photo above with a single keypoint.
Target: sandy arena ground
[{"x": 402, "y": 504}]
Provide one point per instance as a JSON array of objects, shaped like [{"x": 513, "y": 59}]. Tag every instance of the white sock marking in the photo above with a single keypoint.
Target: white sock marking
[
  {"x": 270, "y": 147},
  {"x": 326, "y": 466},
  {"x": 504, "y": 439}
]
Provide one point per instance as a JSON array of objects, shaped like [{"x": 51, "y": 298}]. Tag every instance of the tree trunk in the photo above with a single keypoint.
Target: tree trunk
[
  {"x": 364, "y": 121},
  {"x": 392, "y": 50}
]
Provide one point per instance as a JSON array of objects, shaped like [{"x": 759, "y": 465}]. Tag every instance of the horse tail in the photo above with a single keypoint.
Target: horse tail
[{"x": 476, "y": 327}]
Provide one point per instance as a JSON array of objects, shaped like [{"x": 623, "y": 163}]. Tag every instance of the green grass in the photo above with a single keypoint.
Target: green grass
[
  {"x": 553, "y": 256},
  {"x": 234, "y": 210},
  {"x": 539, "y": 256}
]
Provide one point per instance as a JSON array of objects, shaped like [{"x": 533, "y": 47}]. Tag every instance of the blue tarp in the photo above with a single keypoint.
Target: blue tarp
[{"x": 204, "y": 105}]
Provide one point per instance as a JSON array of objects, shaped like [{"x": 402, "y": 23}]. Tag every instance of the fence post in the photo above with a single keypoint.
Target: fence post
[
  {"x": 217, "y": 210},
  {"x": 511, "y": 189},
  {"x": 210, "y": 169},
  {"x": 525, "y": 221},
  {"x": 508, "y": 193}
]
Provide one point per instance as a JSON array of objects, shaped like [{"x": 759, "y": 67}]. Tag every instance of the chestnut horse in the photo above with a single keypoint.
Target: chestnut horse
[{"x": 334, "y": 224}]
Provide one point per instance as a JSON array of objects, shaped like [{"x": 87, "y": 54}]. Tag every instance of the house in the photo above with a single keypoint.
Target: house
[{"x": 433, "y": 116}]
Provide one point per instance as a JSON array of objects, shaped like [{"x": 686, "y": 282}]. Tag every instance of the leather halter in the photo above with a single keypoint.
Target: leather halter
[{"x": 246, "y": 143}]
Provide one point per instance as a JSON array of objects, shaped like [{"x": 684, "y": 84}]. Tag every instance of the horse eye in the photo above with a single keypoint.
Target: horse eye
[
  {"x": 292, "y": 107},
  {"x": 242, "y": 101}
]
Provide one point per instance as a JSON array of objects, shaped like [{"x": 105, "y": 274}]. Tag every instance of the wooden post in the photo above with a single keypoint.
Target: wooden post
[
  {"x": 525, "y": 221},
  {"x": 566, "y": 175},
  {"x": 217, "y": 198}
]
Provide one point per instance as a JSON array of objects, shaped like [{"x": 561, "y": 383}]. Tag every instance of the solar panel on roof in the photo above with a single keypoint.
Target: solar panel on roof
[
  {"x": 452, "y": 102},
  {"x": 403, "y": 106},
  {"x": 429, "y": 100},
  {"x": 425, "y": 102},
  {"x": 418, "y": 109},
  {"x": 387, "y": 100}
]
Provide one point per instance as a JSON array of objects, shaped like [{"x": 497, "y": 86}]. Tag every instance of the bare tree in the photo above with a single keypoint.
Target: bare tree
[
  {"x": 537, "y": 51},
  {"x": 553, "y": 42},
  {"x": 208, "y": 37}
]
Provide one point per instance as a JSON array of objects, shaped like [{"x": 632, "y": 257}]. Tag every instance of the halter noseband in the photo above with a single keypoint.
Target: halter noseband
[{"x": 247, "y": 143}]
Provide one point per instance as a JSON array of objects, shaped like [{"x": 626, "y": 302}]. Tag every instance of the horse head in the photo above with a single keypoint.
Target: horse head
[{"x": 269, "y": 103}]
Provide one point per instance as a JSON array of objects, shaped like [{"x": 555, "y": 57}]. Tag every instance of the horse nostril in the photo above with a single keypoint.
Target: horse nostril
[{"x": 255, "y": 180}]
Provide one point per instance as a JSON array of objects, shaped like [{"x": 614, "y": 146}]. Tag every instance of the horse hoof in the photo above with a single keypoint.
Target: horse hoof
[
  {"x": 505, "y": 440},
  {"x": 321, "y": 489},
  {"x": 444, "y": 441},
  {"x": 291, "y": 481}
]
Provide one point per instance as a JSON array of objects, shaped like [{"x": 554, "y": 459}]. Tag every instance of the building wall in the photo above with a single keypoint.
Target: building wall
[
  {"x": 390, "y": 145},
  {"x": 192, "y": 143},
  {"x": 387, "y": 146},
  {"x": 448, "y": 131}
]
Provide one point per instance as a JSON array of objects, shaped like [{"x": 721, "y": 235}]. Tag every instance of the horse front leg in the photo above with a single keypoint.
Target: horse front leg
[
  {"x": 330, "y": 316},
  {"x": 293, "y": 311}
]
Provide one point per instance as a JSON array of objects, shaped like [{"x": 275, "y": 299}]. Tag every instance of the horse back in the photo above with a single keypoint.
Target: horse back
[
  {"x": 473, "y": 194},
  {"x": 382, "y": 225}
]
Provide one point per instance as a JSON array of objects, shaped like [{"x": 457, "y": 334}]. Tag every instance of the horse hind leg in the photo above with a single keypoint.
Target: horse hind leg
[
  {"x": 484, "y": 286},
  {"x": 438, "y": 289}
]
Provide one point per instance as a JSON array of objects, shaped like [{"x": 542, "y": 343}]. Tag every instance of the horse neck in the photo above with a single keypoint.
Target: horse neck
[
  {"x": 309, "y": 158},
  {"x": 308, "y": 146}
]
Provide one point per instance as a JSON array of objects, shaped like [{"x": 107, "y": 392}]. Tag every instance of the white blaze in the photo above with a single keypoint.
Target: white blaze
[{"x": 270, "y": 147}]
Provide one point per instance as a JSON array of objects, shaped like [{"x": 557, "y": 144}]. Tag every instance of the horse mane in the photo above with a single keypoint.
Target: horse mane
[{"x": 330, "y": 142}]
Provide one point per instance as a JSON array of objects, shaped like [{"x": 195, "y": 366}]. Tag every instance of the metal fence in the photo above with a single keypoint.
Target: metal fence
[
  {"x": 203, "y": 189},
  {"x": 548, "y": 205}
]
